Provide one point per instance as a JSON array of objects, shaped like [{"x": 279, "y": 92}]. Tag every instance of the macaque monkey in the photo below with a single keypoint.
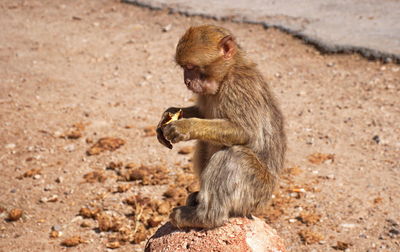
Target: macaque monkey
[{"x": 238, "y": 126}]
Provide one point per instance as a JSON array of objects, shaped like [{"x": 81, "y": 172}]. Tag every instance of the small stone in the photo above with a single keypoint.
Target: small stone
[
  {"x": 43, "y": 200},
  {"x": 292, "y": 220},
  {"x": 342, "y": 246},
  {"x": 37, "y": 176},
  {"x": 57, "y": 134},
  {"x": 376, "y": 139},
  {"x": 56, "y": 228},
  {"x": 76, "y": 218},
  {"x": 167, "y": 28},
  {"x": 48, "y": 187},
  {"x": 55, "y": 234},
  {"x": 164, "y": 208},
  {"x": 348, "y": 225},
  {"x": 113, "y": 245},
  {"x": 154, "y": 221},
  {"x": 69, "y": 147},
  {"x": 59, "y": 179},
  {"x": 73, "y": 241},
  {"x": 148, "y": 76},
  {"x": 10, "y": 146},
  {"x": 15, "y": 214},
  {"x": 85, "y": 224},
  {"x": 53, "y": 198},
  {"x": 394, "y": 231}
]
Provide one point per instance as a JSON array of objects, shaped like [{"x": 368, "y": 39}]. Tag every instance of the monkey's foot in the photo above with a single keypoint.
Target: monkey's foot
[
  {"x": 193, "y": 217},
  {"x": 185, "y": 216},
  {"x": 192, "y": 199}
]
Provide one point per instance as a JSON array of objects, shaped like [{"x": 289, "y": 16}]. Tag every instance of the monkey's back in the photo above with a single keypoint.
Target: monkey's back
[{"x": 246, "y": 100}]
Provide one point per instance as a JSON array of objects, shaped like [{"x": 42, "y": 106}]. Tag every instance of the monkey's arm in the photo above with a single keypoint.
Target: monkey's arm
[
  {"x": 188, "y": 112},
  {"x": 218, "y": 131}
]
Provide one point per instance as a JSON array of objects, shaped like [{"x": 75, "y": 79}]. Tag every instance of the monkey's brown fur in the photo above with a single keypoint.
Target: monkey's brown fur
[{"x": 238, "y": 125}]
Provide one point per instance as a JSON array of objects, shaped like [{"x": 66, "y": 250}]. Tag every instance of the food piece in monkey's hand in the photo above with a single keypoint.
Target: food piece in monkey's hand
[{"x": 170, "y": 117}]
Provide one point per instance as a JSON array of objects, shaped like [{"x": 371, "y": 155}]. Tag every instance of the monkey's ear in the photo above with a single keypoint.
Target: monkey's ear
[{"x": 228, "y": 47}]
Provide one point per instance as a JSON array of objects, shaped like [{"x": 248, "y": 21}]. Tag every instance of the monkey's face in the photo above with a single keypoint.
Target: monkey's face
[
  {"x": 197, "y": 81},
  {"x": 206, "y": 54}
]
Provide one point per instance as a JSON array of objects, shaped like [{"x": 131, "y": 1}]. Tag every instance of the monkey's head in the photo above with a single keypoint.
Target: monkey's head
[{"x": 206, "y": 54}]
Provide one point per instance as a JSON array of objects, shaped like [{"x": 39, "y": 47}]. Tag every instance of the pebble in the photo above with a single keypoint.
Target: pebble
[
  {"x": 37, "y": 176},
  {"x": 48, "y": 187},
  {"x": 348, "y": 225},
  {"x": 376, "y": 138},
  {"x": 56, "y": 228},
  {"x": 85, "y": 223},
  {"x": 77, "y": 218},
  {"x": 292, "y": 220},
  {"x": 10, "y": 146},
  {"x": 167, "y": 28},
  {"x": 70, "y": 147},
  {"x": 57, "y": 134},
  {"x": 148, "y": 76},
  {"x": 331, "y": 176},
  {"x": 52, "y": 198},
  {"x": 59, "y": 179},
  {"x": 394, "y": 231}
]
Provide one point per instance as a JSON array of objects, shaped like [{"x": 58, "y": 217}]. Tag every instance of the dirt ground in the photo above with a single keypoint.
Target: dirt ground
[{"x": 72, "y": 72}]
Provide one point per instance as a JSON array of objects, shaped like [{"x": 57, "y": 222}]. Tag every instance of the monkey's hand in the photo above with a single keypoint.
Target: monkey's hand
[
  {"x": 167, "y": 118},
  {"x": 188, "y": 112},
  {"x": 177, "y": 131}
]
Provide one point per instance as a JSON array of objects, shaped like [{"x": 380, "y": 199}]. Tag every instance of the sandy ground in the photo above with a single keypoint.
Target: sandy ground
[{"x": 108, "y": 67}]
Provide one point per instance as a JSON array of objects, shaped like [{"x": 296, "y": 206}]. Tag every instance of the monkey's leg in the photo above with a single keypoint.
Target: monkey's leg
[
  {"x": 234, "y": 183},
  {"x": 212, "y": 207}
]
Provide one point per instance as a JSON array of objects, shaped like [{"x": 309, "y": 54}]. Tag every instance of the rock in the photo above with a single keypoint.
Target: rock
[
  {"x": 15, "y": 214},
  {"x": 69, "y": 147},
  {"x": 239, "y": 234},
  {"x": 167, "y": 28},
  {"x": 10, "y": 146},
  {"x": 48, "y": 187},
  {"x": 56, "y": 228}
]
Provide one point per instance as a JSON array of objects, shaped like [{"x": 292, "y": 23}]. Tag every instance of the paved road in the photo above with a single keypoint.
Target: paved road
[{"x": 370, "y": 27}]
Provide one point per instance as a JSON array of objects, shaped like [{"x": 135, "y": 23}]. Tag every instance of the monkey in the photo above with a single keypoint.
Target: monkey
[{"x": 238, "y": 125}]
